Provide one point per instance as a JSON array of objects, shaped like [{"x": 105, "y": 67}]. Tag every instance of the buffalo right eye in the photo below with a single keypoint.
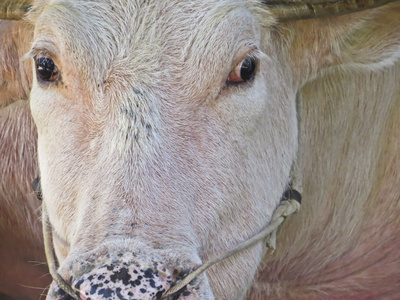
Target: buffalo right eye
[
  {"x": 243, "y": 72},
  {"x": 46, "y": 69}
]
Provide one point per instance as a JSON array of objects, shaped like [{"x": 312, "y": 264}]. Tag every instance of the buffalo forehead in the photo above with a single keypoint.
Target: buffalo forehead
[{"x": 155, "y": 39}]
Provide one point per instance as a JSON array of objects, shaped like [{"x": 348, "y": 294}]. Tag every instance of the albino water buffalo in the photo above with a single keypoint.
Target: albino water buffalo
[{"x": 168, "y": 131}]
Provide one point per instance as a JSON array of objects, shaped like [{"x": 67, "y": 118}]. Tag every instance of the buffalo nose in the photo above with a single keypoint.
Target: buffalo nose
[
  {"x": 122, "y": 276},
  {"x": 130, "y": 276},
  {"x": 116, "y": 281}
]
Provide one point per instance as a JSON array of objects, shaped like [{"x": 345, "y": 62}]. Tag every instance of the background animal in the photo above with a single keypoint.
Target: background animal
[
  {"x": 23, "y": 270},
  {"x": 167, "y": 132}
]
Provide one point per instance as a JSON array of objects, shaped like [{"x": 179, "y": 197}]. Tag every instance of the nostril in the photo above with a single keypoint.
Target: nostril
[{"x": 63, "y": 295}]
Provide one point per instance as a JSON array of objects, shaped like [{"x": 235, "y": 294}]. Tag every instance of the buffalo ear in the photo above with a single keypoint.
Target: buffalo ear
[
  {"x": 366, "y": 39},
  {"x": 374, "y": 41},
  {"x": 15, "y": 71},
  {"x": 14, "y": 9}
]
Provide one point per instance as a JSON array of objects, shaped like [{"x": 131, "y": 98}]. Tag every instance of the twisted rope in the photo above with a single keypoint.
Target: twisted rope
[{"x": 49, "y": 251}]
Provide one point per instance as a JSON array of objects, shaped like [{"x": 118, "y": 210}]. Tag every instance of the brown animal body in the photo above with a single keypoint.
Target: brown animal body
[
  {"x": 23, "y": 271},
  {"x": 156, "y": 154},
  {"x": 351, "y": 163}
]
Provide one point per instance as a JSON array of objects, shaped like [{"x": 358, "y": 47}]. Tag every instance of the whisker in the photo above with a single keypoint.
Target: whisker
[
  {"x": 31, "y": 287},
  {"x": 37, "y": 263},
  {"x": 44, "y": 292},
  {"x": 44, "y": 275}
]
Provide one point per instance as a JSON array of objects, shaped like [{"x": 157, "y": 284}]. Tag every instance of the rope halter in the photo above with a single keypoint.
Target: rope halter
[{"x": 289, "y": 204}]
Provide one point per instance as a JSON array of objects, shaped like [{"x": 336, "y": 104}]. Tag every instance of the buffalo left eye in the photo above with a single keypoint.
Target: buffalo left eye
[
  {"x": 244, "y": 71},
  {"x": 46, "y": 69}
]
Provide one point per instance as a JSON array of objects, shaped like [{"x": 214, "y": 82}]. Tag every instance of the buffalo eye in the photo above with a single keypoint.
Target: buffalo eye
[
  {"x": 46, "y": 69},
  {"x": 244, "y": 71}
]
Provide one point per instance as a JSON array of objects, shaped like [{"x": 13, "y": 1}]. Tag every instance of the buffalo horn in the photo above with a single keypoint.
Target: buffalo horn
[
  {"x": 283, "y": 9},
  {"x": 295, "y": 9},
  {"x": 14, "y": 10}
]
